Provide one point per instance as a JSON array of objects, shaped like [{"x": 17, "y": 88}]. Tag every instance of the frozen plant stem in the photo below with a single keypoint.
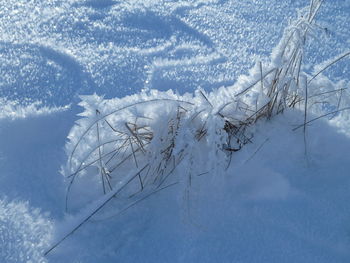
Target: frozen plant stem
[
  {"x": 305, "y": 113},
  {"x": 169, "y": 130},
  {"x": 109, "y": 197}
]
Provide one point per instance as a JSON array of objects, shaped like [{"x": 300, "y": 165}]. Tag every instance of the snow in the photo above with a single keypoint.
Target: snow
[
  {"x": 53, "y": 50},
  {"x": 283, "y": 198},
  {"x": 273, "y": 205},
  {"x": 16, "y": 109},
  {"x": 24, "y": 232}
]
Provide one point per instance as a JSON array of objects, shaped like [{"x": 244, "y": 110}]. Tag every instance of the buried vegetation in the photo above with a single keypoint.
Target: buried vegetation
[{"x": 132, "y": 146}]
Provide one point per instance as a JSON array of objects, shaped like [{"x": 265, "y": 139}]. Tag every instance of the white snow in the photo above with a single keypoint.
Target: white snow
[
  {"x": 24, "y": 232},
  {"x": 71, "y": 70},
  {"x": 15, "y": 109}
]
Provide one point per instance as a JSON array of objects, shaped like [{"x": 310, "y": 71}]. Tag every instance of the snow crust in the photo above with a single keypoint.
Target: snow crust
[
  {"x": 15, "y": 109},
  {"x": 52, "y": 51},
  {"x": 24, "y": 232},
  {"x": 283, "y": 198}
]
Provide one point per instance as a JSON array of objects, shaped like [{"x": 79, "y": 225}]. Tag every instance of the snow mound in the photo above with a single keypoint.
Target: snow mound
[
  {"x": 154, "y": 133},
  {"x": 272, "y": 204}
]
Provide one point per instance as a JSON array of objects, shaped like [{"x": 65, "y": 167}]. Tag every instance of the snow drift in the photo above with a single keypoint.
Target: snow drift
[{"x": 158, "y": 131}]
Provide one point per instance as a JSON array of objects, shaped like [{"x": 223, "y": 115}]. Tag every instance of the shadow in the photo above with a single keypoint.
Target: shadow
[
  {"x": 40, "y": 73},
  {"x": 101, "y": 4}
]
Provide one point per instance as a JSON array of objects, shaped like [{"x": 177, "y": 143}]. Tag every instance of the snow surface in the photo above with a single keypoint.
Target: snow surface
[
  {"x": 273, "y": 204},
  {"x": 50, "y": 51}
]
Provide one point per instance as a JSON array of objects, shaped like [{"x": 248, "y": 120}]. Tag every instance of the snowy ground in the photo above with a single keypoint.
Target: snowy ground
[
  {"x": 52, "y": 50},
  {"x": 272, "y": 206}
]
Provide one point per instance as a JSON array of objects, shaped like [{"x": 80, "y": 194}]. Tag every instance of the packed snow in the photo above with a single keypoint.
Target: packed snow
[{"x": 79, "y": 79}]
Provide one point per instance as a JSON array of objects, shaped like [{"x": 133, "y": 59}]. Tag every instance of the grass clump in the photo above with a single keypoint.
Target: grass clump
[
  {"x": 161, "y": 129},
  {"x": 129, "y": 147}
]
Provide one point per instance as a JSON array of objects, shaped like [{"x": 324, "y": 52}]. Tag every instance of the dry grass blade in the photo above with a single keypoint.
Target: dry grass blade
[
  {"x": 133, "y": 133},
  {"x": 205, "y": 97},
  {"x": 305, "y": 113},
  {"x": 176, "y": 132},
  {"x": 139, "y": 200},
  {"x": 116, "y": 111},
  {"x": 322, "y": 116},
  {"x": 254, "y": 83},
  {"x": 330, "y": 64},
  {"x": 81, "y": 165},
  {"x": 99, "y": 154},
  {"x": 257, "y": 150},
  {"x": 95, "y": 210}
]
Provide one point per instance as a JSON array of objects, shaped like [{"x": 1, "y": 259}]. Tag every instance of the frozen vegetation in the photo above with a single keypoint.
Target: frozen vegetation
[{"x": 174, "y": 131}]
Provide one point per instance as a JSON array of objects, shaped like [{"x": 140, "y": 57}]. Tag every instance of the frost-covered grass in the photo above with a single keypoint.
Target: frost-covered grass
[
  {"x": 158, "y": 130},
  {"x": 138, "y": 145},
  {"x": 271, "y": 199},
  {"x": 212, "y": 170}
]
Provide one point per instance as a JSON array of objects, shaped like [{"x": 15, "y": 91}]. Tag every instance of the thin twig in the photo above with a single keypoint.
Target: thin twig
[
  {"x": 330, "y": 64},
  {"x": 118, "y": 110},
  {"x": 324, "y": 115},
  {"x": 305, "y": 112},
  {"x": 258, "y": 149},
  {"x": 98, "y": 208},
  {"x": 138, "y": 201}
]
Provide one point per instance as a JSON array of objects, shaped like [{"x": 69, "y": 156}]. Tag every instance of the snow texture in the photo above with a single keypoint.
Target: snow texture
[
  {"x": 283, "y": 197},
  {"x": 24, "y": 233}
]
